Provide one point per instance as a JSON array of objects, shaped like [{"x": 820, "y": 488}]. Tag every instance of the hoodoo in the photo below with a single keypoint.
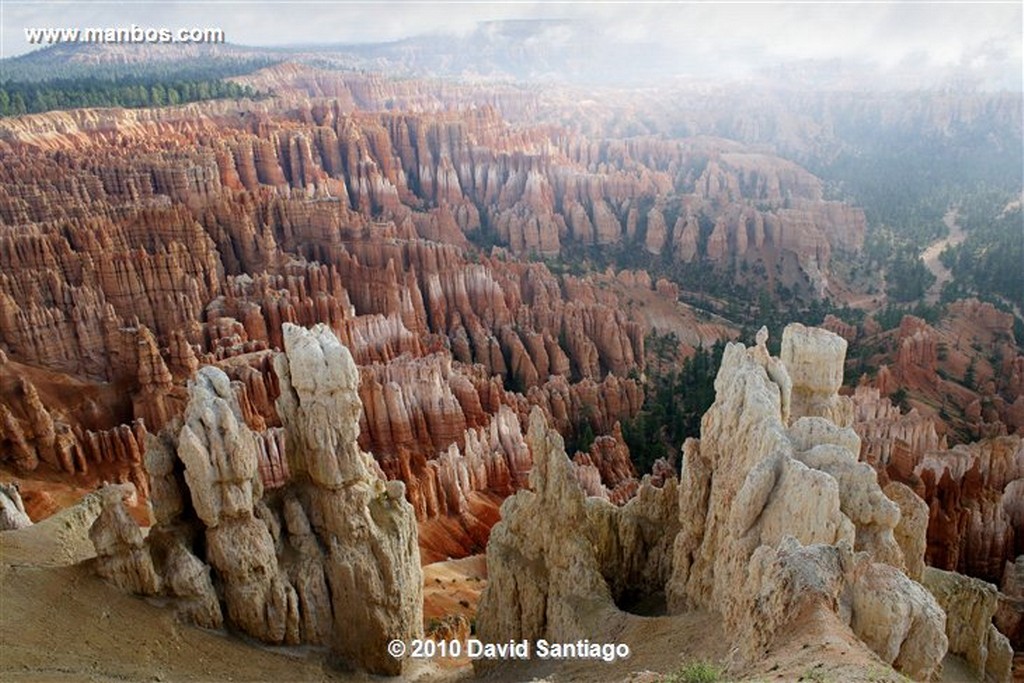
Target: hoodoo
[
  {"x": 330, "y": 361},
  {"x": 772, "y": 521},
  {"x": 329, "y": 556}
]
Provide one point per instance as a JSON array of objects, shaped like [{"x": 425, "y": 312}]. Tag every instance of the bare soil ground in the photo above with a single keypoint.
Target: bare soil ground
[
  {"x": 59, "y": 622},
  {"x": 930, "y": 256}
]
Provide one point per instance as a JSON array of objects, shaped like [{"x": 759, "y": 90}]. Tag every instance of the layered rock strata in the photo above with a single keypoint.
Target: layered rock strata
[
  {"x": 779, "y": 518},
  {"x": 970, "y": 605},
  {"x": 559, "y": 561},
  {"x": 329, "y": 558}
]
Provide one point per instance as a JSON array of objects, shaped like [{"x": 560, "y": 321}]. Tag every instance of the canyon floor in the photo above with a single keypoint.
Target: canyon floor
[
  {"x": 476, "y": 254},
  {"x": 62, "y": 623},
  {"x": 930, "y": 256}
]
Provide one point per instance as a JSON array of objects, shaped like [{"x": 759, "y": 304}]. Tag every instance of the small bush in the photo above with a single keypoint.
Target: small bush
[{"x": 696, "y": 672}]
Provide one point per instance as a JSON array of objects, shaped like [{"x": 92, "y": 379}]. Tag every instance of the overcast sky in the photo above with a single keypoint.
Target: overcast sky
[{"x": 980, "y": 36}]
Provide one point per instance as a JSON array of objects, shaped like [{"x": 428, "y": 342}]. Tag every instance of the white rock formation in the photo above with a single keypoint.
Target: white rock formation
[
  {"x": 166, "y": 501},
  {"x": 367, "y": 528},
  {"x": 187, "y": 579},
  {"x": 911, "y": 532},
  {"x": 220, "y": 456},
  {"x": 771, "y": 515},
  {"x": 12, "y": 509},
  {"x": 121, "y": 555},
  {"x": 557, "y": 561},
  {"x": 970, "y": 605},
  {"x": 331, "y": 558},
  {"x": 814, "y": 360}
]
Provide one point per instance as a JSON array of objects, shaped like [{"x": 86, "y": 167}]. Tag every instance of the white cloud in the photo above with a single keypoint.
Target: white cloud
[{"x": 744, "y": 35}]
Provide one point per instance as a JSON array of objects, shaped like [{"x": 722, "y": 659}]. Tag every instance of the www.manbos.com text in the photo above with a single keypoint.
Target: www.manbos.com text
[{"x": 123, "y": 35}]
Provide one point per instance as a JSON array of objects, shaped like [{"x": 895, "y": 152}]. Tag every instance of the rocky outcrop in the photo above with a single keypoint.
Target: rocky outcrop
[
  {"x": 776, "y": 521},
  {"x": 12, "y": 509},
  {"x": 221, "y": 473},
  {"x": 157, "y": 399},
  {"x": 494, "y": 457},
  {"x": 121, "y": 555},
  {"x": 303, "y": 180},
  {"x": 372, "y": 563},
  {"x": 1009, "y": 616},
  {"x": 187, "y": 579},
  {"x": 895, "y": 617},
  {"x": 331, "y": 558},
  {"x": 911, "y": 533},
  {"x": 970, "y": 605},
  {"x": 559, "y": 561},
  {"x": 771, "y": 514},
  {"x": 606, "y": 470},
  {"x": 813, "y": 358}
]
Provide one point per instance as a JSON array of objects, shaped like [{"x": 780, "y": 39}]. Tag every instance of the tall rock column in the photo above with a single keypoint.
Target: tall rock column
[
  {"x": 558, "y": 560},
  {"x": 221, "y": 469},
  {"x": 814, "y": 358},
  {"x": 541, "y": 565},
  {"x": 772, "y": 511},
  {"x": 365, "y": 525}
]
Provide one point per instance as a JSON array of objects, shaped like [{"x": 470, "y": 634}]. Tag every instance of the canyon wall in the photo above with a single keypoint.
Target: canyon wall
[
  {"x": 773, "y": 522},
  {"x": 329, "y": 557},
  {"x": 122, "y": 275}
]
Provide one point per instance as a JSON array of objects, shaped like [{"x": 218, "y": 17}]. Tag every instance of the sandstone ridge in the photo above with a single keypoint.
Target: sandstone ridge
[
  {"x": 328, "y": 558},
  {"x": 773, "y": 520}
]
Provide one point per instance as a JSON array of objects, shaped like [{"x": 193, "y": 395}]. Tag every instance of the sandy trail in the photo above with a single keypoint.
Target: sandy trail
[{"x": 930, "y": 255}]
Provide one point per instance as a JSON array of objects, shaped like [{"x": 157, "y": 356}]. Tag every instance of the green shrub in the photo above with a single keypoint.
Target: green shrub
[{"x": 696, "y": 672}]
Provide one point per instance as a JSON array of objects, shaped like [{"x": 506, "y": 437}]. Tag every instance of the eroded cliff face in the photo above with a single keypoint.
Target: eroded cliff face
[
  {"x": 780, "y": 520},
  {"x": 133, "y": 271},
  {"x": 330, "y": 557},
  {"x": 775, "y": 522},
  {"x": 559, "y": 561},
  {"x": 972, "y": 491},
  {"x": 970, "y": 605}
]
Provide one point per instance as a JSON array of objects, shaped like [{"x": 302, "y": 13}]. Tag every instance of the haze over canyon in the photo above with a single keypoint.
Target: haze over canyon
[{"x": 308, "y": 350}]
